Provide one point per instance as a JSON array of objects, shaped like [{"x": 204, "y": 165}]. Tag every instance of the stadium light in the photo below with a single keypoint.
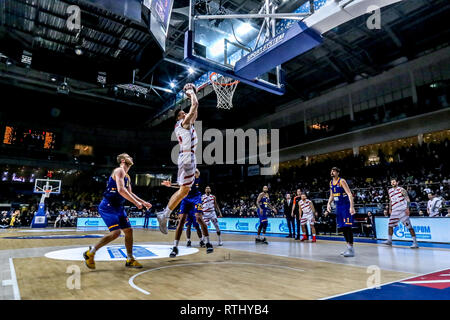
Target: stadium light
[
  {"x": 172, "y": 84},
  {"x": 191, "y": 70},
  {"x": 244, "y": 28}
]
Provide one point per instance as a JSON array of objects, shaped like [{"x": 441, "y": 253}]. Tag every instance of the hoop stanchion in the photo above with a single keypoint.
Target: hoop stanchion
[{"x": 224, "y": 88}]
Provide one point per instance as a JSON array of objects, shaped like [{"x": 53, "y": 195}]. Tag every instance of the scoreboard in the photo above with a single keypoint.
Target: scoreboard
[{"x": 29, "y": 137}]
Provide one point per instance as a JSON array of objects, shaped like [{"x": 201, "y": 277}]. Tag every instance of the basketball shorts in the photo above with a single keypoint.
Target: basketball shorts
[
  {"x": 186, "y": 169},
  {"x": 114, "y": 217},
  {"x": 343, "y": 216},
  {"x": 307, "y": 218},
  {"x": 209, "y": 216},
  {"x": 399, "y": 216},
  {"x": 262, "y": 215},
  {"x": 191, "y": 206}
]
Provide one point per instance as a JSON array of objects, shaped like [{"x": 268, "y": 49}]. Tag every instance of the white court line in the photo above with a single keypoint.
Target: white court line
[
  {"x": 13, "y": 281},
  {"x": 131, "y": 281},
  {"x": 426, "y": 281},
  {"x": 384, "y": 284}
]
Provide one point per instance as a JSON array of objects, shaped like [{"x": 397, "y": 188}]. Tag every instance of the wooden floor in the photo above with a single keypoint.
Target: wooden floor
[{"x": 224, "y": 274}]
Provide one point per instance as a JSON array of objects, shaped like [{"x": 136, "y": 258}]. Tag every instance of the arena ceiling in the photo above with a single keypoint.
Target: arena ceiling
[{"x": 118, "y": 45}]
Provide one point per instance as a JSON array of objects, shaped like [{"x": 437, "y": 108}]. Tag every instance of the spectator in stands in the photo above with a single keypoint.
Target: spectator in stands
[
  {"x": 434, "y": 205},
  {"x": 325, "y": 223},
  {"x": 368, "y": 225},
  {"x": 4, "y": 220},
  {"x": 448, "y": 213}
]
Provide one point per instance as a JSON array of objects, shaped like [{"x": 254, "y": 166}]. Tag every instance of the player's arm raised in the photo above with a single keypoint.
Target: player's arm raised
[
  {"x": 349, "y": 194},
  {"x": 191, "y": 116},
  {"x": 119, "y": 175},
  {"x": 146, "y": 204}
]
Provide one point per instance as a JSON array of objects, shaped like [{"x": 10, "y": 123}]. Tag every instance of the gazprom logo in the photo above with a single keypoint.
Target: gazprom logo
[
  {"x": 283, "y": 227},
  {"x": 91, "y": 223},
  {"x": 422, "y": 232},
  {"x": 154, "y": 223},
  {"x": 242, "y": 226}
]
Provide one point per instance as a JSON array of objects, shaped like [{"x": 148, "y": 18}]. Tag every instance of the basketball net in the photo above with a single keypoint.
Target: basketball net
[{"x": 224, "y": 88}]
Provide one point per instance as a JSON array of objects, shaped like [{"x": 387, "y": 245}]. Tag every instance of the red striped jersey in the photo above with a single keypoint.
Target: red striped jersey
[
  {"x": 306, "y": 206},
  {"x": 208, "y": 203},
  {"x": 187, "y": 138},
  {"x": 398, "y": 201}
]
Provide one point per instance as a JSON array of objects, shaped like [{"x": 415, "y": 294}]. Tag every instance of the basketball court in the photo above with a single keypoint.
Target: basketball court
[{"x": 42, "y": 268}]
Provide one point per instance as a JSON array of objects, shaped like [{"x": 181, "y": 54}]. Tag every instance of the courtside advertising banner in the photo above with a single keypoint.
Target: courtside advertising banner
[
  {"x": 275, "y": 225},
  {"x": 427, "y": 229}
]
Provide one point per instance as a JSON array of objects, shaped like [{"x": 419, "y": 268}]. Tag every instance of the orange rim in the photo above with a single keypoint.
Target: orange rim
[{"x": 222, "y": 84}]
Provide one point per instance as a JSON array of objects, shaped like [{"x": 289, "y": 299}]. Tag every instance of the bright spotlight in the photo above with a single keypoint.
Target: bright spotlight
[
  {"x": 191, "y": 70},
  {"x": 172, "y": 84}
]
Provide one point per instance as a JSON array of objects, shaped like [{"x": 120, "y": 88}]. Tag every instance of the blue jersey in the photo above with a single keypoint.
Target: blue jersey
[
  {"x": 112, "y": 195},
  {"x": 195, "y": 190},
  {"x": 339, "y": 194},
  {"x": 264, "y": 203}
]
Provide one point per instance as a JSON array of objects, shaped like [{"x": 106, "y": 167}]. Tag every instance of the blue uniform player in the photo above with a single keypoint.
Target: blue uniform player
[
  {"x": 190, "y": 210},
  {"x": 263, "y": 204},
  {"x": 341, "y": 195},
  {"x": 111, "y": 209}
]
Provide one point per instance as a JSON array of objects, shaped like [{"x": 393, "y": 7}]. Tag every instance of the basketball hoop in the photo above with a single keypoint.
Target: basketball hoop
[
  {"x": 47, "y": 193},
  {"x": 224, "y": 88}
]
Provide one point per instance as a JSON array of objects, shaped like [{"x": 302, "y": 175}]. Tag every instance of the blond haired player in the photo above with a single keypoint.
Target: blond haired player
[
  {"x": 306, "y": 213},
  {"x": 399, "y": 210},
  {"x": 209, "y": 204},
  {"x": 112, "y": 210},
  {"x": 187, "y": 139}
]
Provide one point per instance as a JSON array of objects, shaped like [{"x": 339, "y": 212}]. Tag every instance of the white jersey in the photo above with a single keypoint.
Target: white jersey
[
  {"x": 398, "y": 201},
  {"x": 306, "y": 207},
  {"x": 187, "y": 138},
  {"x": 433, "y": 206},
  {"x": 208, "y": 204}
]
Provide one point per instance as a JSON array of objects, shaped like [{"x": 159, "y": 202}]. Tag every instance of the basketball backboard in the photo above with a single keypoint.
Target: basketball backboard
[
  {"x": 244, "y": 46},
  {"x": 47, "y": 186}
]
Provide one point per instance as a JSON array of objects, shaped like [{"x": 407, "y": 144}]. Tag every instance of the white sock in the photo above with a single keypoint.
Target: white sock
[
  {"x": 167, "y": 211},
  {"x": 129, "y": 257},
  {"x": 389, "y": 238},
  {"x": 349, "y": 246},
  {"x": 414, "y": 239},
  {"x": 218, "y": 237},
  {"x": 175, "y": 243},
  {"x": 314, "y": 234},
  {"x": 92, "y": 250},
  {"x": 188, "y": 239},
  {"x": 207, "y": 239}
]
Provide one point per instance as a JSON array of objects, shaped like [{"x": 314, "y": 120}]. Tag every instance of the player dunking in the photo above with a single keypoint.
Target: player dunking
[
  {"x": 209, "y": 204},
  {"x": 190, "y": 208},
  {"x": 306, "y": 213},
  {"x": 111, "y": 209},
  {"x": 263, "y": 204},
  {"x": 187, "y": 139},
  {"x": 399, "y": 210},
  {"x": 343, "y": 199}
]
